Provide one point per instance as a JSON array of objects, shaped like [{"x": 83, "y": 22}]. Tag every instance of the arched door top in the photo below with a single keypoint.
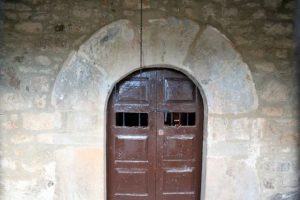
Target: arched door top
[{"x": 112, "y": 53}]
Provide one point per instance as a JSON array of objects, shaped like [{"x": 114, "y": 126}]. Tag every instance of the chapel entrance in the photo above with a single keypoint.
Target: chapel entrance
[{"x": 154, "y": 137}]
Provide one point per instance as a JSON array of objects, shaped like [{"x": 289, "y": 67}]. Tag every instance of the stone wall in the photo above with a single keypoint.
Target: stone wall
[{"x": 52, "y": 135}]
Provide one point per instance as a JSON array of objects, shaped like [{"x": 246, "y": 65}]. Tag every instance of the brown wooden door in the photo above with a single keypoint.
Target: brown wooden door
[{"x": 154, "y": 141}]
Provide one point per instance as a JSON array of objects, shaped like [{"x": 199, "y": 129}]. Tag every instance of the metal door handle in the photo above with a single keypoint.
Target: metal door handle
[{"x": 161, "y": 132}]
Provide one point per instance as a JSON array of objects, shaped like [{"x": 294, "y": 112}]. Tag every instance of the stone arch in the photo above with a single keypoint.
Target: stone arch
[{"x": 203, "y": 53}]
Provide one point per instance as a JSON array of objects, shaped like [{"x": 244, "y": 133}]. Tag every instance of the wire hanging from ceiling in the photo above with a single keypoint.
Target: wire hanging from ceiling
[{"x": 141, "y": 34}]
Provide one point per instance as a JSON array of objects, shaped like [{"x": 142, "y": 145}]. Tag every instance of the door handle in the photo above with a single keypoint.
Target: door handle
[{"x": 161, "y": 132}]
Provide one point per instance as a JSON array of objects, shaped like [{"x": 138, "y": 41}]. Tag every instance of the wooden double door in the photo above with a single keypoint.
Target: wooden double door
[{"x": 154, "y": 141}]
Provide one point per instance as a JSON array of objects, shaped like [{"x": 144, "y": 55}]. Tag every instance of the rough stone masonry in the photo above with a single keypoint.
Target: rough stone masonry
[{"x": 59, "y": 60}]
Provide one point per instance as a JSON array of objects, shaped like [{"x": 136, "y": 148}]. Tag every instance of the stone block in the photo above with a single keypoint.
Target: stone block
[
  {"x": 41, "y": 121},
  {"x": 29, "y": 27},
  {"x": 80, "y": 174},
  {"x": 231, "y": 149},
  {"x": 81, "y": 121},
  {"x": 21, "y": 138},
  {"x": 133, "y": 4},
  {"x": 43, "y": 60},
  {"x": 272, "y": 111},
  {"x": 9, "y": 122},
  {"x": 12, "y": 101},
  {"x": 228, "y": 86},
  {"x": 265, "y": 66},
  {"x": 224, "y": 129},
  {"x": 294, "y": 195},
  {"x": 230, "y": 179},
  {"x": 278, "y": 29},
  {"x": 274, "y": 91},
  {"x": 272, "y": 4},
  {"x": 40, "y": 101},
  {"x": 39, "y": 84},
  {"x": 30, "y": 187}
]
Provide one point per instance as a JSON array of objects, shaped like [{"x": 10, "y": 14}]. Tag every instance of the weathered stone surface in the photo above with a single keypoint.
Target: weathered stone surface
[
  {"x": 12, "y": 100},
  {"x": 167, "y": 41},
  {"x": 39, "y": 84},
  {"x": 244, "y": 129},
  {"x": 78, "y": 86},
  {"x": 265, "y": 66},
  {"x": 278, "y": 29},
  {"x": 272, "y": 4},
  {"x": 81, "y": 121},
  {"x": 239, "y": 178},
  {"x": 81, "y": 12},
  {"x": 79, "y": 173},
  {"x": 16, "y": 6},
  {"x": 29, "y": 27},
  {"x": 43, "y": 60},
  {"x": 119, "y": 39},
  {"x": 272, "y": 111},
  {"x": 295, "y": 195},
  {"x": 40, "y": 187},
  {"x": 132, "y": 4},
  {"x": 274, "y": 91},
  {"x": 228, "y": 86},
  {"x": 41, "y": 121},
  {"x": 9, "y": 122},
  {"x": 40, "y": 101}
]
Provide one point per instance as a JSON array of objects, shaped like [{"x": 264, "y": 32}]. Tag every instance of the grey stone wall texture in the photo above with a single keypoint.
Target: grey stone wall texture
[{"x": 60, "y": 59}]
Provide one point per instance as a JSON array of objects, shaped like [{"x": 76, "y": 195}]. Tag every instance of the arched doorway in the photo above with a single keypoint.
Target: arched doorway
[{"x": 154, "y": 141}]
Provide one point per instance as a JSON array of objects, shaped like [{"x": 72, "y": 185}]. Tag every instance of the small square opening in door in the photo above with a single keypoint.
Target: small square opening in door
[
  {"x": 125, "y": 119},
  {"x": 180, "y": 119}
]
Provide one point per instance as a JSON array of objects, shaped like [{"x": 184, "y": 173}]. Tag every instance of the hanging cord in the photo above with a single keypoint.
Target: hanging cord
[{"x": 141, "y": 34}]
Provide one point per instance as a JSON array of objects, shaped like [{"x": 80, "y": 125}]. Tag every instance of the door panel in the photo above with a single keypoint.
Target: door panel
[{"x": 155, "y": 121}]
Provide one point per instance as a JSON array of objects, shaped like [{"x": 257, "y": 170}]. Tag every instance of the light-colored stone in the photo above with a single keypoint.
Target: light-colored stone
[
  {"x": 79, "y": 173},
  {"x": 29, "y": 27},
  {"x": 40, "y": 101},
  {"x": 40, "y": 187},
  {"x": 9, "y": 122},
  {"x": 81, "y": 121},
  {"x": 274, "y": 91},
  {"x": 272, "y": 111},
  {"x": 39, "y": 84},
  {"x": 41, "y": 121},
  {"x": 226, "y": 129},
  {"x": 168, "y": 41},
  {"x": 21, "y": 138},
  {"x": 8, "y": 163},
  {"x": 43, "y": 60},
  {"x": 79, "y": 86},
  {"x": 234, "y": 177},
  {"x": 16, "y": 6},
  {"x": 265, "y": 66},
  {"x": 10, "y": 101},
  {"x": 228, "y": 85}
]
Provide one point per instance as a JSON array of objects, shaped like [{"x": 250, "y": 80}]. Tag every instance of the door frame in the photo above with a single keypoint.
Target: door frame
[{"x": 204, "y": 131}]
